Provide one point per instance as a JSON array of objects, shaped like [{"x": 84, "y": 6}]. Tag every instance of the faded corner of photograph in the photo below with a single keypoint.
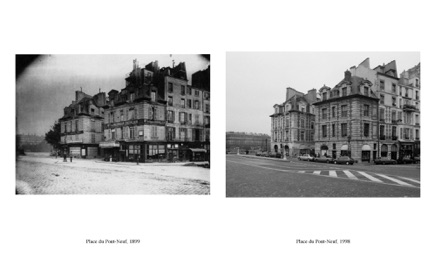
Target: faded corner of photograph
[
  {"x": 323, "y": 124},
  {"x": 108, "y": 124}
]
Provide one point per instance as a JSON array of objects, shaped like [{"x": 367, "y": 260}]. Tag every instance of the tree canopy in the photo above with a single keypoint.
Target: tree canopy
[{"x": 53, "y": 136}]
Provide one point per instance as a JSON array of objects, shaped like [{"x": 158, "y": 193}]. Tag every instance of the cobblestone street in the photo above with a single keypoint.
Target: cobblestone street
[{"x": 42, "y": 174}]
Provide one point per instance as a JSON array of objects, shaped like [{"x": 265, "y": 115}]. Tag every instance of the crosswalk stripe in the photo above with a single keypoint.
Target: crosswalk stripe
[
  {"x": 301, "y": 171},
  {"x": 350, "y": 175},
  {"x": 412, "y": 180},
  {"x": 369, "y": 176},
  {"x": 317, "y": 172},
  {"x": 394, "y": 180},
  {"x": 333, "y": 174}
]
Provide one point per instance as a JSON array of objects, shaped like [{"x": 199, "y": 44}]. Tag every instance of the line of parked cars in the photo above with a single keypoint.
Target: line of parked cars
[
  {"x": 349, "y": 161},
  {"x": 268, "y": 154}
]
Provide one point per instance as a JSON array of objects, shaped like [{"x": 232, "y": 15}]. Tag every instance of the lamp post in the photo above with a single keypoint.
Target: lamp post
[{"x": 349, "y": 146}]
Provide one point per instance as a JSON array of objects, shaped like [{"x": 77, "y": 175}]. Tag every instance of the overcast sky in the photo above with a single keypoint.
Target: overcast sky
[
  {"x": 49, "y": 84},
  {"x": 257, "y": 80}
]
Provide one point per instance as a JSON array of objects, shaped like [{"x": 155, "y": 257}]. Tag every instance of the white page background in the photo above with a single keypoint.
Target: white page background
[{"x": 213, "y": 229}]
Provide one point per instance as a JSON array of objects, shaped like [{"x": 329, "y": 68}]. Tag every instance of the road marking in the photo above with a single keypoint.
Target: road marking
[
  {"x": 412, "y": 180},
  {"x": 369, "y": 176},
  {"x": 301, "y": 171},
  {"x": 350, "y": 175},
  {"x": 317, "y": 172},
  {"x": 333, "y": 173},
  {"x": 394, "y": 180}
]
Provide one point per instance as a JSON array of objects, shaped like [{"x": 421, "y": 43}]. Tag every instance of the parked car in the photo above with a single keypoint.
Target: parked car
[
  {"x": 307, "y": 157},
  {"x": 417, "y": 159},
  {"x": 275, "y": 155},
  {"x": 384, "y": 160},
  {"x": 406, "y": 160},
  {"x": 344, "y": 160},
  {"x": 324, "y": 159}
]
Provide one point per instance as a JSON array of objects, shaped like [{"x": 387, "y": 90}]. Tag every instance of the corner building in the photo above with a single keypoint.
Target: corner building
[
  {"x": 82, "y": 125},
  {"x": 292, "y": 124},
  {"x": 347, "y": 119}
]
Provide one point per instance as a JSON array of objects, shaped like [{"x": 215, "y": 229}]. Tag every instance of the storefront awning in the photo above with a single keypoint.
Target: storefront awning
[
  {"x": 109, "y": 145},
  {"x": 197, "y": 150},
  {"x": 366, "y": 147},
  {"x": 344, "y": 147}
]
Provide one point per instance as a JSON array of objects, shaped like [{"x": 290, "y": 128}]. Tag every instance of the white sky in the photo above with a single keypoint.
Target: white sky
[
  {"x": 258, "y": 80},
  {"x": 49, "y": 84}
]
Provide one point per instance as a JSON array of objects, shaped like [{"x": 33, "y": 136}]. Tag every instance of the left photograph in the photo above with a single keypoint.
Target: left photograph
[{"x": 113, "y": 124}]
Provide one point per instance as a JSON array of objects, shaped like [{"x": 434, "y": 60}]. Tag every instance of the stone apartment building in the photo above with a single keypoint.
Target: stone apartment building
[
  {"x": 347, "y": 119},
  {"x": 292, "y": 124},
  {"x": 157, "y": 116},
  {"x": 82, "y": 125},
  {"x": 398, "y": 107}
]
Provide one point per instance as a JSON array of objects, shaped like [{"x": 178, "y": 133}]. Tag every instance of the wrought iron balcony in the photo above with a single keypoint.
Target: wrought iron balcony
[{"x": 408, "y": 107}]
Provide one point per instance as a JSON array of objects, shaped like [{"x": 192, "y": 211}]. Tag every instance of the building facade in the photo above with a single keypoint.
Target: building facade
[
  {"x": 82, "y": 125},
  {"x": 398, "y": 109},
  {"x": 347, "y": 119},
  {"x": 247, "y": 142},
  {"x": 292, "y": 124},
  {"x": 156, "y": 117}
]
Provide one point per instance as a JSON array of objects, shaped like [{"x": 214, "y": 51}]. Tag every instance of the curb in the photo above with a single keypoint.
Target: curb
[{"x": 154, "y": 163}]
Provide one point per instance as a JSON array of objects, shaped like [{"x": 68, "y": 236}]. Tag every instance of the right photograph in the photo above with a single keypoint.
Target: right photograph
[{"x": 323, "y": 124}]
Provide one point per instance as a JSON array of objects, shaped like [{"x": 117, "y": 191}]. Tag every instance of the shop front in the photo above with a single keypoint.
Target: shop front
[{"x": 111, "y": 150}]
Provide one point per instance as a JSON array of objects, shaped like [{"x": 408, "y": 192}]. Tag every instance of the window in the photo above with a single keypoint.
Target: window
[
  {"x": 366, "y": 130},
  {"x": 303, "y": 109},
  {"x": 77, "y": 125},
  {"x": 153, "y": 96},
  {"x": 132, "y": 132},
  {"x": 170, "y": 87},
  {"x": 206, "y": 120},
  {"x": 343, "y": 110},
  {"x": 406, "y": 133},
  {"x": 207, "y": 108},
  {"x": 113, "y": 134},
  {"x": 197, "y": 93},
  {"x": 92, "y": 125},
  {"x": 182, "y": 90},
  {"x": 417, "y": 134},
  {"x": 111, "y": 118},
  {"x": 324, "y": 131},
  {"x": 382, "y": 132},
  {"x": 122, "y": 132},
  {"x": 154, "y": 132},
  {"x": 92, "y": 138},
  {"x": 394, "y": 101},
  {"x": 324, "y": 96},
  {"x": 189, "y": 90},
  {"x": 132, "y": 97},
  {"x": 344, "y": 91},
  {"x": 366, "y": 91},
  {"x": 131, "y": 114},
  {"x": 400, "y": 116},
  {"x": 171, "y": 134},
  {"x": 122, "y": 115},
  {"x": 333, "y": 130},
  {"x": 182, "y": 118},
  {"x": 302, "y": 136},
  {"x": 170, "y": 116},
  {"x": 382, "y": 114},
  {"x": 197, "y": 119},
  {"x": 190, "y": 118},
  {"x": 182, "y": 103},
  {"x": 196, "y": 104},
  {"x": 333, "y": 111},
  {"x": 344, "y": 130},
  {"x": 92, "y": 111},
  {"x": 206, "y": 95},
  {"x": 417, "y": 95},
  {"x": 365, "y": 110},
  {"x": 382, "y": 99},
  {"x": 189, "y": 103},
  {"x": 394, "y": 132},
  {"x": 394, "y": 88},
  {"x": 170, "y": 100},
  {"x": 302, "y": 123},
  {"x": 382, "y": 84},
  {"x": 394, "y": 116},
  {"x": 324, "y": 113}
]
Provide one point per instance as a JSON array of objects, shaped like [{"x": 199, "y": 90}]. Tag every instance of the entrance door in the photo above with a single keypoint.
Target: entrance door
[
  {"x": 374, "y": 155},
  {"x": 366, "y": 155}
]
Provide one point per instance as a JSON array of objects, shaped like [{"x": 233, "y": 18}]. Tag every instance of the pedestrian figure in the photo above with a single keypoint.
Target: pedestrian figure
[
  {"x": 137, "y": 160},
  {"x": 110, "y": 158},
  {"x": 71, "y": 158},
  {"x": 65, "y": 157}
]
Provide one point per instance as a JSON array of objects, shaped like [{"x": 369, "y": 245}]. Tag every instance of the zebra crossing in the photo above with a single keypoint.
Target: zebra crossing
[{"x": 365, "y": 176}]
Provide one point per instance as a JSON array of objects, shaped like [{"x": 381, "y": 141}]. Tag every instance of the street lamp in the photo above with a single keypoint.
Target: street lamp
[{"x": 349, "y": 146}]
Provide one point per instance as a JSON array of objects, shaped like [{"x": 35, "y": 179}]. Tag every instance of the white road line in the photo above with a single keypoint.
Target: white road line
[
  {"x": 333, "y": 173},
  {"x": 317, "y": 172},
  {"x": 350, "y": 175},
  {"x": 369, "y": 176},
  {"x": 394, "y": 180},
  {"x": 412, "y": 180},
  {"x": 301, "y": 171}
]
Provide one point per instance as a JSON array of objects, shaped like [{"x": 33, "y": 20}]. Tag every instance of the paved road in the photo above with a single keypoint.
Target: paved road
[{"x": 259, "y": 177}]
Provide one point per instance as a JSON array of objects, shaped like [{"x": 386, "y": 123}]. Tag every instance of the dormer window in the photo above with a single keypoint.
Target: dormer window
[
  {"x": 324, "y": 96},
  {"x": 366, "y": 90},
  {"x": 344, "y": 91}
]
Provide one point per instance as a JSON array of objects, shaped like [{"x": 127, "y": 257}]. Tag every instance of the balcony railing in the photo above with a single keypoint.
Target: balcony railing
[
  {"x": 409, "y": 107},
  {"x": 417, "y": 124}
]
